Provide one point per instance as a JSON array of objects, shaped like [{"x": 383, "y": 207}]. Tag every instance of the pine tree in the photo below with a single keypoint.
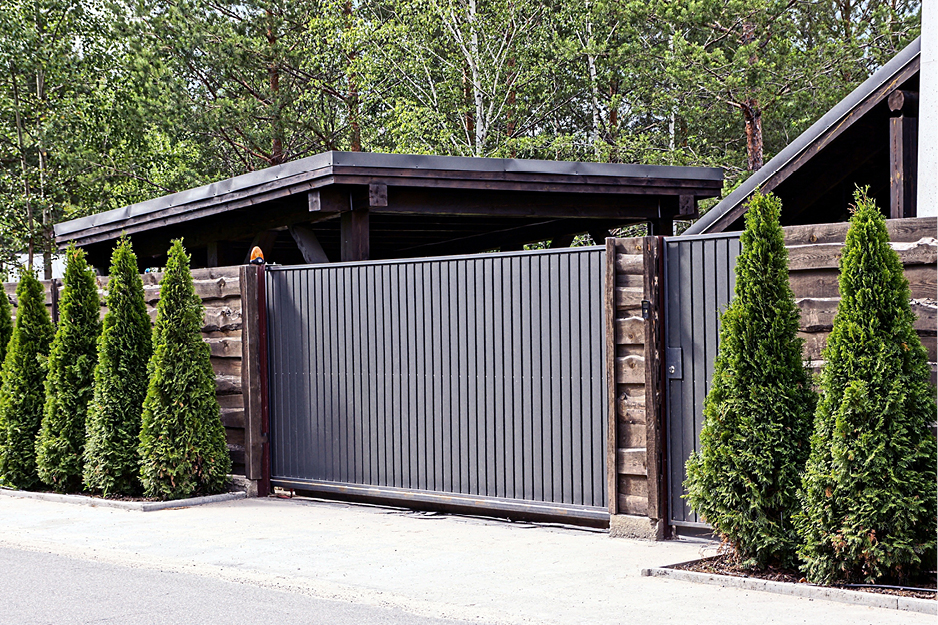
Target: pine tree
[
  {"x": 182, "y": 442},
  {"x": 869, "y": 502},
  {"x": 21, "y": 385},
  {"x": 61, "y": 442},
  {"x": 6, "y": 325},
  {"x": 112, "y": 463},
  {"x": 757, "y": 415}
]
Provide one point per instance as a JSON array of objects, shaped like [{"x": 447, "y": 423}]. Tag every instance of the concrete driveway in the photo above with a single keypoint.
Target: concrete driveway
[{"x": 422, "y": 565}]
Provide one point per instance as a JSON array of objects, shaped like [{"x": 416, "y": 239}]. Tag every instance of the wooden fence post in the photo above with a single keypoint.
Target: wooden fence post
[
  {"x": 253, "y": 376},
  {"x": 653, "y": 313}
]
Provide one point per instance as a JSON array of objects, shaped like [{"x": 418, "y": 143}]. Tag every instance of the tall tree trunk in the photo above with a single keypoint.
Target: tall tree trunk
[
  {"x": 273, "y": 72},
  {"x": 355, "y": 141},
  {"x": 22, "y": 149},
  {"x": 480, "y": 122},
  {"x": 753, "y": 116}
]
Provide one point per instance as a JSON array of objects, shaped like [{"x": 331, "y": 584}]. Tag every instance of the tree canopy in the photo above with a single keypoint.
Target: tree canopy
[{"x": 107, "y": 103}]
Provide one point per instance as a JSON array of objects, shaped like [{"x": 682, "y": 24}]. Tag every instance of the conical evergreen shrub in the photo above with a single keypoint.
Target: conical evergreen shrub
[
  {"x": 869, "y": 487},
  {"x": 112, "y": 461},
  {"x": 182, "y": 442},
  {"x": 757, "y": 415},
  {"x": 61, "y": 442},
  {"x": 6, "y": 324},
  {"x": 22, "y": 385}
]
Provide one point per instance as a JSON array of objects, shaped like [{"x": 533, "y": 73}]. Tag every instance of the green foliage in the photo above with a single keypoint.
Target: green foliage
[
  {"x": 182, "y": 441},
  {"x": 869, "y": 502},
  {"x": 61, "y": 442},
  {"x": 6, "y": 325},
  {"x": 120, "y": 381},
  {"x": 757, "y": 415},
  {"x": 21, "y": 385}
]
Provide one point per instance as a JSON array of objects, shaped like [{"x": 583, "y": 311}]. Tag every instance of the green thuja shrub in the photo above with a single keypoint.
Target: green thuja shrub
[
  {"x": 182, "y": 442},
  {"x": 61, "y": 442},
  {"x": 757, "y": 415},
  {"x": 6, "y": 324},
  {"x": 22, "y": 386},
  {"x": 112, "y": 462},
  {"x": 869, "y": 502}
]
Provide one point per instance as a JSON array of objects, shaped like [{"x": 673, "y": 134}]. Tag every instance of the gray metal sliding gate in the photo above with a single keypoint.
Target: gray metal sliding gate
[
  {"x": 698, "y": 282},
  {"x": 474, "y": 380}
]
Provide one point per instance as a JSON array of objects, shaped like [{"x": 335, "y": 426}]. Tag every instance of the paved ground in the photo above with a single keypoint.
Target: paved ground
[
  {"x": 50, "y": 588},
  {"x": 374, "y": 560}
]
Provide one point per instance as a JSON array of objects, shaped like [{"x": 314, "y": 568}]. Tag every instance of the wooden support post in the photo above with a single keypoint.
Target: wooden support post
[
  {"x": 355, "y": 235},
  {"x": 253, "y": 376},
  {"x": 903, "y": 154},
  {"x": 54, "y": 298},
  {"x": 661, "y": 227},
  {"x": 211, "y": 254},
  {"x": 564, "y": 240},
  {"x": 687, "y": 206},
  {"x": 612, "y": 437},
  {"x": 654, "y": 380},
  {"x": 599, "y": 236},
  {"x": 306, "y": 240}
]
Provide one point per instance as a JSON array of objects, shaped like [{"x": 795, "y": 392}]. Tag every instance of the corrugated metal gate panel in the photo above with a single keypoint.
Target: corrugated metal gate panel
[
  {"x": 699, "y": 282},
  {"x": 477, "y": 375}
]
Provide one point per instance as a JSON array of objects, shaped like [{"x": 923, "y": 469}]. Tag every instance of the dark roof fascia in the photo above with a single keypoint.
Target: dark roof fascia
[
  {"x": 830, "y": 125},
  {"x": 405, "y": 169}
]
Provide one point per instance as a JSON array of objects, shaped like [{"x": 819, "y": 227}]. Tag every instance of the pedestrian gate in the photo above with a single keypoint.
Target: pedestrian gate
[
  {"x": 699, "y": 279},
  {"x": 471, "y": 381}
]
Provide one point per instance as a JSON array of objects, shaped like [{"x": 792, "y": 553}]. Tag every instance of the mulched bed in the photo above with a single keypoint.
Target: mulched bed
[{"x": 727, "y": 564}]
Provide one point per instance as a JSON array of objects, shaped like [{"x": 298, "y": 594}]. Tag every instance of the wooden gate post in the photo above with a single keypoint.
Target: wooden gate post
[{"x": 254, "y": 377}]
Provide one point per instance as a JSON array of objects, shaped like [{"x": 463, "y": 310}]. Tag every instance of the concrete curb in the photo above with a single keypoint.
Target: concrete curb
[
  {"x": 808, "y": 591},
  {"x": 139, "y": 506}
]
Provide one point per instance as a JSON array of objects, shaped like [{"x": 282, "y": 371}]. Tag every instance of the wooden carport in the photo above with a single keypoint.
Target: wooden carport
[{"x": 342, "y": 206}]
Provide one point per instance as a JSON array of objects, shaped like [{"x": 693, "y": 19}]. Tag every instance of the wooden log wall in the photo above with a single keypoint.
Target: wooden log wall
[
  {"x": 634, "y": 446},
  {"x": 633, "y": 368},
  {"x": 813, "y": 256},
  {"x": 220, "y": 290}
]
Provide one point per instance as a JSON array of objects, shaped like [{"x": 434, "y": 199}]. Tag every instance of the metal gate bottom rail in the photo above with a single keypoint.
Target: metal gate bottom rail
[{"x": 492, "y": 504}]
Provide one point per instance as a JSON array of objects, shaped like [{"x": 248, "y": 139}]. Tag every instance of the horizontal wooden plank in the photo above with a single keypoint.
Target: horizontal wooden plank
[
  {"x": 227, "y": 384},
  {"x": 234, "y": 401},
  {"x": 227, "y": 366},
  {"x": 224, "y": 347},
  {"x": 635, "y": 485},
  {"x": 235, "y": 436},
  {"x": 630, "y": 331},
  {"x": 631, "y": 461},
  {"x": 630, "y": 370},
  {"x": 827, "y": 256},
  {"x": 631, "y": 434},
  {"x": 631, "y": 504},
  {"x": 630, "y": 263},
  {"x": 633, "y": 245},
  {"x": 817, "y": 315},
  {"x": 215, "y": 319},
  {"x": 923, "y": 282},
  {"x": 232, "y": 417},
  {"x": 911, "y": 229},
  {"x": 628, "y": 297},
  {"x": 630, "y": 280},
  {"x": 815, "y": 342},
  {"x": 237, "y": 459}
]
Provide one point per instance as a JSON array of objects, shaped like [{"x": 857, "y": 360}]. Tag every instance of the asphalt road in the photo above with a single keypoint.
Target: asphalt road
[{"x": 48, "y": 588}]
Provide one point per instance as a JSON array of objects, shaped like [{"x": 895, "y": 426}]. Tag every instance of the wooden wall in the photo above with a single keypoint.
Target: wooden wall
[
  {"x": 813, "y": 256},
  {"x": 633, "y": 365},
  {"x": 220, "y": 290},
  {"x": 634, "y": 447}
]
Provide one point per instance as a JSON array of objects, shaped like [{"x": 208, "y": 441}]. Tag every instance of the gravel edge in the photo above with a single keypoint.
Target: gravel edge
[
  {"x": 139, "y": 506},
  {"x": 808, "y": 591}
]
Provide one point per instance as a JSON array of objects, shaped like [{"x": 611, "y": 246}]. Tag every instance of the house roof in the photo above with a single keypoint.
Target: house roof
[
  {"x": 405, "y": 170},
  {"x": 819, "y": 137}
]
